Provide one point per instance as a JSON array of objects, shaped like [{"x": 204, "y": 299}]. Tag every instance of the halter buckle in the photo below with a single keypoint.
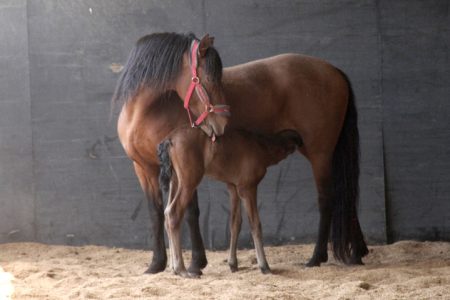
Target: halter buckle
[{"x": 195, "y": 80}]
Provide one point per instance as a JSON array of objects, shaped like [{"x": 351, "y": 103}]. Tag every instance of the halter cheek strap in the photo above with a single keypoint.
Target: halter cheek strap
[{"x": 220, "y": 109}]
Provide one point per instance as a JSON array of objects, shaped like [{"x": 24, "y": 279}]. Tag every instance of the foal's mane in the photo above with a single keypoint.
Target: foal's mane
[{"x": 155, "y": 62}]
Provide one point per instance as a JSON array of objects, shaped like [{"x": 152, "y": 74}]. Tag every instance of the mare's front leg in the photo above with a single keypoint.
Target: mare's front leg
[
  {"x": 199, "y": 260},
  {"x": 248, "y": 195},
  {"x": 235, "y": 226},
  {"x": 148, "y": 179}
]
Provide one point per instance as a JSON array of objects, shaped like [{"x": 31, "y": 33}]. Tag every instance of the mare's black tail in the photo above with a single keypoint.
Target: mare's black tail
[
  {"x": 347, "y": 239},
  {"x": 165, "y": 169}
]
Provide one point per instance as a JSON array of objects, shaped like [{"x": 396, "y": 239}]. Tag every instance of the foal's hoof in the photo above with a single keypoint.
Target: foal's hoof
[
  {"x": 156, "y": 267},
  {"x": 194, "y": 276},
  {"x": 186, "y": 274}
]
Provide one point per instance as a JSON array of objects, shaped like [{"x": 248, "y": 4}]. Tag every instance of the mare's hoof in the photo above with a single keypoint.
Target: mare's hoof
[
  {"x": 233, "y": 268},
  {"x": 356, "y": 261},
  {"x": 195, "y": 271},
  {"x": 266, "y": 270},
  {"x": 197, "y": 264},
  {"x": 156, "y": 268},
  {"x": 312, "y": 263},
  {"x": 201, "y": 262},
  {"x": 316, "y": 260}
]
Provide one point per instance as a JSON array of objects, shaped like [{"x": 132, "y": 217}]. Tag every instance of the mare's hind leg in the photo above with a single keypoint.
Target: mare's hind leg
[
  {"x": 321, "y": 166},
  {"x": 359, "y": 247},
  {"x": 248, "y": 195},
  {"x": 199, "y": 260},
  {"x": 235, "y": 226},
  {"x": 150, "y": 186}
]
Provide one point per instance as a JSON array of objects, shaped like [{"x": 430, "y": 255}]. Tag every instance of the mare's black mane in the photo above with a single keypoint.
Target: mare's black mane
[{"x": 155, "y": 61}]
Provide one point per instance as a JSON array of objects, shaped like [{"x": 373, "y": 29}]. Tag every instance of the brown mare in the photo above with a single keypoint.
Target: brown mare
[
  {"x": 289, "y": 91},
  {"x": 239, "y": 159}
]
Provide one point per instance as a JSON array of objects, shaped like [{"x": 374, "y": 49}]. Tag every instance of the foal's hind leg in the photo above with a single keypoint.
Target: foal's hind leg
[
  {"x": 321, "y": 166},
  {"x": 150, "y": 186},
  {"x": 235, "y": 226},
  {"x": 248, "y": 195}
]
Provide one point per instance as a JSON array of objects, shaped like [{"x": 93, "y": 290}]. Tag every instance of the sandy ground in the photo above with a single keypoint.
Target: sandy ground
[{"x": 405, "y": 270}]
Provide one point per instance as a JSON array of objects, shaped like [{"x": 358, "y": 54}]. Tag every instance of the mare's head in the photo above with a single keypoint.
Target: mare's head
[
  {"x": 163, "y": 62},
  {"x": 200, "y": 86}
]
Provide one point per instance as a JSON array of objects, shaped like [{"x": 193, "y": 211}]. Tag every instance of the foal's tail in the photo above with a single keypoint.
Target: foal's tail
[
  {"x": 347, "y": 239},
  {"x": 165, "y": 169}
]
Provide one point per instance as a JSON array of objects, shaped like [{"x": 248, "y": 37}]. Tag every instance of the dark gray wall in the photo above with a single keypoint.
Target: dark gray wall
[
  {"x": 16, "y": 159},
  {"x": 65, "y": 178},
  {"x": 416, "y": 93}
]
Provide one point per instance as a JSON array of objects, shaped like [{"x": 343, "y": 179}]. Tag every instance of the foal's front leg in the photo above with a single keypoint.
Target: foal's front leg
[
  {"x": 248, "y": 195},
  {"x": 174, "y": 214},
  {"x": 235, "y": 226}
]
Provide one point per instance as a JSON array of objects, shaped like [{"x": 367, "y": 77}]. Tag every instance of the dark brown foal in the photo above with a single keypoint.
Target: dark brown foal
[{"x": 238, "y": 158}]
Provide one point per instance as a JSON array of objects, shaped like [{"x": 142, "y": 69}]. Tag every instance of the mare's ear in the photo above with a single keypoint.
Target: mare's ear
[{"x": 206, "y": 42}]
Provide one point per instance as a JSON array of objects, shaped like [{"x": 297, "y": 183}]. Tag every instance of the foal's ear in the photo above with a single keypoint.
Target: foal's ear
[{"x": 206, "y": 42}]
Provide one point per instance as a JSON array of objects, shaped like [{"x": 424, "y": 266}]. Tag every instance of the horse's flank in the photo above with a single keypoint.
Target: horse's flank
[{"x": 309, "y": 94}]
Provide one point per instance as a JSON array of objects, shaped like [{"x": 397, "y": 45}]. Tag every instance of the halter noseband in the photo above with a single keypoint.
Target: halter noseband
[{"x": 220, "y": 109}]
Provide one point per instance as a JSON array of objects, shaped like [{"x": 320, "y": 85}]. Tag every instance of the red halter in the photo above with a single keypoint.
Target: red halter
[{"x": 220, "y": 109}]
